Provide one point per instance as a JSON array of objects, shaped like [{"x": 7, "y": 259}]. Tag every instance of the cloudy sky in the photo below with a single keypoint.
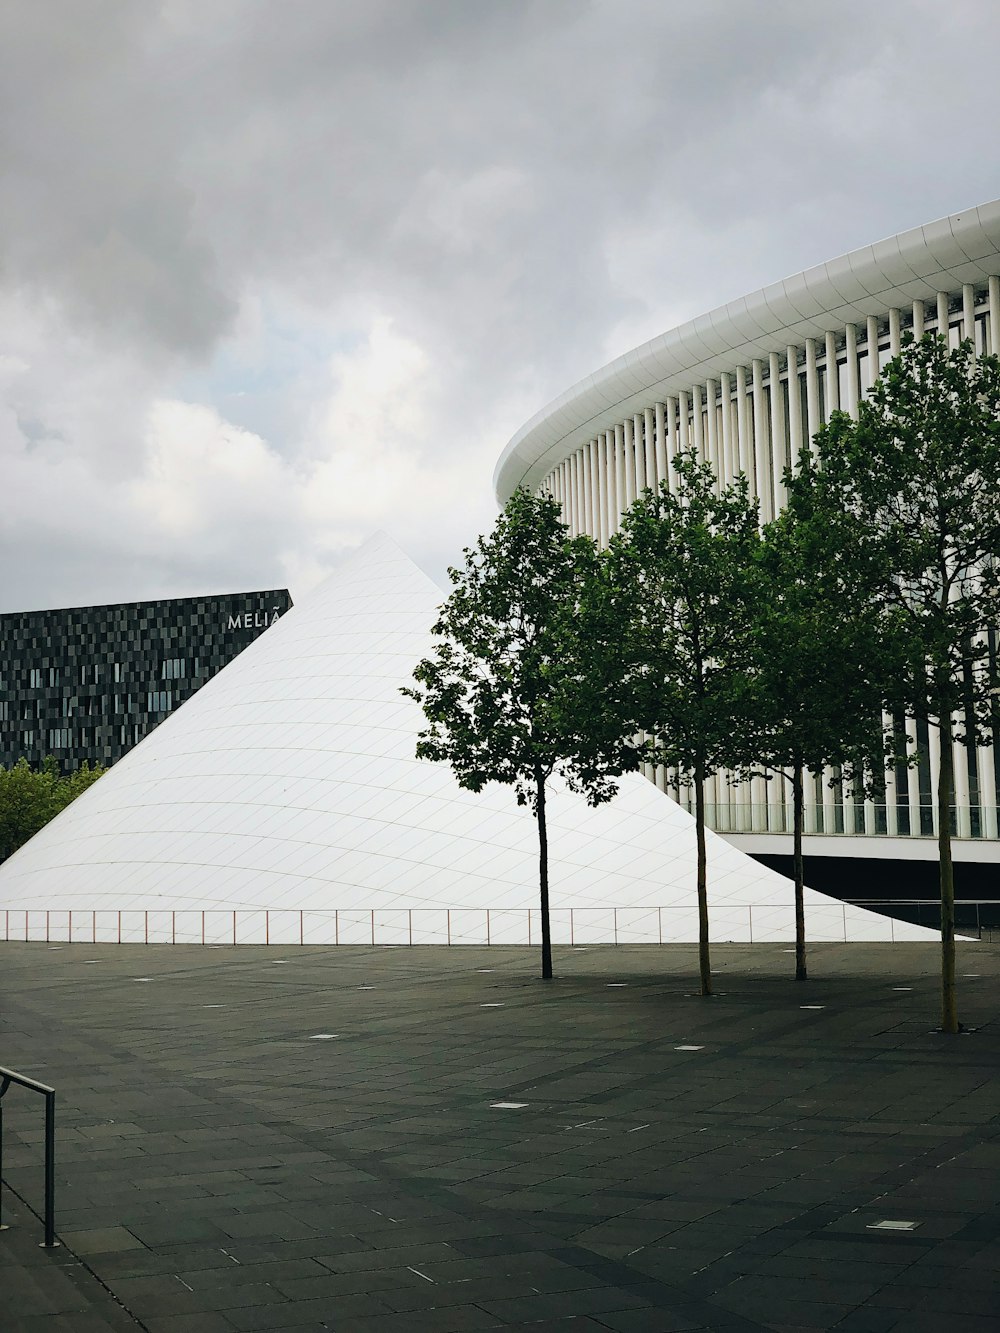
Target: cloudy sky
[{"x": 277, "y": 273}]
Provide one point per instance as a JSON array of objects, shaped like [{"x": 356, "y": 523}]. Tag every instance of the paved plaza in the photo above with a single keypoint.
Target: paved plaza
[{"x": 431, "y": 1140}]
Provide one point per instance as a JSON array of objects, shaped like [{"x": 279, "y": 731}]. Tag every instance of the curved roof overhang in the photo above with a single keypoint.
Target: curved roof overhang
[{"x": 915, "y": 265}]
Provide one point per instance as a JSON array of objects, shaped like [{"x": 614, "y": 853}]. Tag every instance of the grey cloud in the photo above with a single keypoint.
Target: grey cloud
[{"x": 524, "y": 187}]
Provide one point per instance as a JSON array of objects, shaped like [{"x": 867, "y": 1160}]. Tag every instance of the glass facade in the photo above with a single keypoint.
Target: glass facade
[{"x": 87, "y": 683}]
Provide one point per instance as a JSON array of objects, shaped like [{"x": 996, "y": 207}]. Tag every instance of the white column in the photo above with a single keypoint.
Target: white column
[
  {"x": 628, "y": 446},
  {"x": 697, "y": 422},
  {"x": 760, "y": 485},
  {"x": 813, "y": 420},
  {"x": 777, "y": 437},
  {"x": 832, "y": 376},
  {"x": 742, "y": 428},
  {"x": 895, "y": 333},
  {"x": 963, "y": 791},
  {"x": 847, "y": 803},
  {"x": 712, "y": 432},
  {"x": 621, "y": 485},
  {"x": 794, "y": 406},
  {"x": 640, "y": 454},
  {"x": 650, "y": 435},
  {"x": 994, "y": 347},
  {"x": 569, "y": 507},
  {"x": 934, "y": 755},
  {"x": 672, "y": 443},
  {"x": 610, "y": 485},
  {"x": 595, "y": 490},
  {"x": 872, "y": 341},
  {"x": 729, "y": 453},
  {"x": 918, "y": 320},
  {"x": 987, "y": 790},
  {"x": 969, "y": 312},
  {"x": 683, "y": 422},
  {"x": 832, "y": 797},
  {"x": 640, "y": 451},
  {"x": 661, "y": 442},
  {"x": 853, "y": 373},
  {"x": 891, "y": 794},
  {"x": 942, "y": 315},
  {"x": 586, "y": 521},
  {"x": 912, "y": 779}
]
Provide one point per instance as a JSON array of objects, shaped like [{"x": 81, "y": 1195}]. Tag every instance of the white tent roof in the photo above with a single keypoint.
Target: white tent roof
[{"x": 283, "y": 802}]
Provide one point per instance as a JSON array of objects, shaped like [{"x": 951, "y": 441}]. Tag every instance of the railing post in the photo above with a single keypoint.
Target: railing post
[
  {"x": 3, "y": 1225},
  {"x": 50, "y": 1171},
  {"x": 750, "y": 920}
]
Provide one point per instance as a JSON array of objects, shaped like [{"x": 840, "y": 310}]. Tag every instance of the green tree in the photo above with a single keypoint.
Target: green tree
[
  {"x": 510, "y": 693},
  {"x": 823, "y": 650},
  {"x": 30, "y": 797},
  {"x": 679, "y": 580},
  {"x": 919, "y": 475}
]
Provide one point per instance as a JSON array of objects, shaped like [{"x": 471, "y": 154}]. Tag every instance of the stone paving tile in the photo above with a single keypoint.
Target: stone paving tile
[{"x": 216, "y": 1174}]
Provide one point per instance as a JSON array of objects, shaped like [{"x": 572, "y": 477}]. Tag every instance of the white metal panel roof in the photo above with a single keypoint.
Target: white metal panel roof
[{"x": 914, "y": 265}]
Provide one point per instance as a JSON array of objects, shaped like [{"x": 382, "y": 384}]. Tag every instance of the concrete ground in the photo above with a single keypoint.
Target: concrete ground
[{"x": 396, "y": 1140}]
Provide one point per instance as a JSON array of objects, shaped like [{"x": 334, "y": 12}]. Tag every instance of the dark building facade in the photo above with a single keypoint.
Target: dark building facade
[{"x": 89, "y": 682}]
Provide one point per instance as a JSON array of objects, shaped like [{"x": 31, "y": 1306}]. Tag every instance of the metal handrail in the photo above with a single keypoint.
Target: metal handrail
[{"x": 7, "y": 1077}]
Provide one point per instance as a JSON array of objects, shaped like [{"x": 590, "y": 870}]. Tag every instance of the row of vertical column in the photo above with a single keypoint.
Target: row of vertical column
[{"x": 755, "y": 419}]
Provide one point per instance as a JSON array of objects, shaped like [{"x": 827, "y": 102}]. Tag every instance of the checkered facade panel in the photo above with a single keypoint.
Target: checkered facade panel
[{"x": 88, "y": 683}]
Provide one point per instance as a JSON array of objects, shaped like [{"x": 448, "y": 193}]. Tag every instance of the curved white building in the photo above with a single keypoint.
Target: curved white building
[{"x": 747, "y": 385}]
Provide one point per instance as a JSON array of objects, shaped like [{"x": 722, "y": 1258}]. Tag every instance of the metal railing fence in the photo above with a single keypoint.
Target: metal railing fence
[{"x": 744, "y": 923}]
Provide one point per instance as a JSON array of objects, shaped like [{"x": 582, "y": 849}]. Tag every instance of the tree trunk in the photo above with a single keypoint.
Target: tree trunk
[
  {"x": 543, "y": 875},
  {"x": 946, "y": 787},
  {"x": 800, "y": 906},
  {"x": 704, "y": 960}
]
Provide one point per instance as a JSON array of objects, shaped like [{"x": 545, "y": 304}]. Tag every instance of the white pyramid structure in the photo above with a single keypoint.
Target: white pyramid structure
[{"x": 283, "y": 804}]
